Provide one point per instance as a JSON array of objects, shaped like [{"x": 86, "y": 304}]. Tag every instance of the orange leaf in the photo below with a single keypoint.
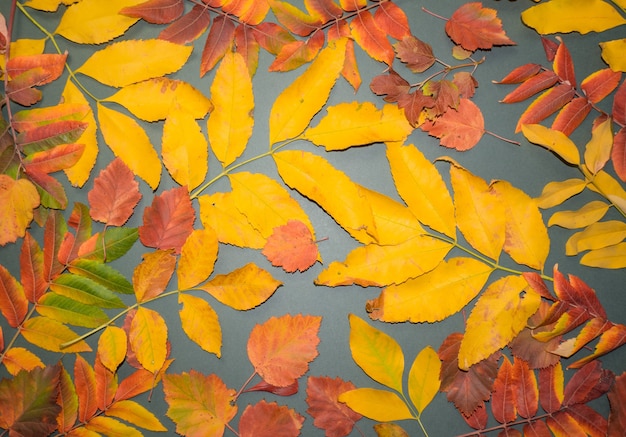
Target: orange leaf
[
  {"x": 326, "y": 10},
  {"x": 250, "y": 12},
  {"x": 551, "y": 388},
  {"x": 546, "y": 104},
  {"x": 281, "y": 348},
  {"x": 563, "y": 65},
  {"x": 13, "y": 302},
  {"x": 217, "y": 43},
  {"x": 198, "y": 256},
  {"x": 475, "y": 27},
  {"x": 527, "y": 393},
  {"x": 371, "y": 37},
  {"x": 392, "y": 19},
  {"x": 40, "y": 138},
  {"x": 531, "y": 86},
  {"x": 291, "y": 247},
  {"x": 460, "y": 129},
  {"x": 618, "y": 154},
  {"x": 85, "y": 381},
  {"x": 269, "y": 420},
  {"x": 106, "y": 385},
  {"x": 503, "y": 399},
  {"x": 294, "y": 19},
  {"x": 188, "y": 27},
  {"x": 68, "y": 401},
  {"x": 520, "y": 74},
  {"x": 600, "y": 84},
  {"x": 334, "y": 417},
  {"x": 52, "y": 66},
  {"x": 156, "y": 11},
  {"x": 151, "y": 276},
  {"x": 17, "y": 359},
  {"x": 572, "y": 115},
  {"x": 58, "y": 158},
  {"x": 18, "y": 199},
  {"x": 294, "y": 54},
  {"x": 619, "y": 104}
]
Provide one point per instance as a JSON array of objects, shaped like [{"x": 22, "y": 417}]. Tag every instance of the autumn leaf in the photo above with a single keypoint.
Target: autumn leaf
[
  {"x": 415, "y": 53},
  {"x": 460, "y": 128},
  {"x": 19, "y": 198},
  {"x": 201, "y": 324},
  {"x": 269, "y": 419},
  {"x": 281, "y": 348},
  {"x": 198, "y": 256},
  {"x": 328, "y": 413},
  {"x": 13, "y": 302},
  {"x": 371, "y": 37},
  {"x": 155, "y": 11},
  {"x": 32, "y": 269},
  {"x": 217, "y": 43},
  {"x": 112, "y": 347},
  {"x": 379, "y": 405},
  {"x": 476, "y": 27},
  {"x": 189, "y": 27},
  {"x": 17, "y": 359},
  {"x": 151, "y": 276},
  {"x": 424, "y": 378},
  {"x": 291, "y": 247},
  {"x": 611, "y": 53},
  {"x": 617, "y": 415},
  {"x": 148, "y": 339},
  {"x": 135, "y": 413}
]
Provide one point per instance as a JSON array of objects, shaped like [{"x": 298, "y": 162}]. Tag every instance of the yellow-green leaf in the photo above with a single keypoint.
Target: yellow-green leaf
[
  {"x": 553, "y": 140},
  {"x": 130, "y": 142},
  {"x": 201, "y": 324},
  {"x": 131, "y": 61},
  {"x": 148, "y": 339},
  {"x": 357, "y": 124},
  {"x": 112, "y": 347},
  {"x": 230, "y": 124},
  {"x": 613, "y": 54},
  {"x": 17, "y": 359},
  {"x": 479, "y": 214},
  {"x": 197, "y": 258},
  {"x": 596, "y": 236},
  {"x": 299, "y": 102},
  {"x": 184, "y": 148},
  {"x": 379, "y": 405},
  {"x": 563, "y": 16},
  {"x": 598, "y": 149},
  {"x": 612, "y": 257},
  {"x": 501, "y": 312},
  {"x": 424, "y": 378},
  {"x": 433, "y": 296},
  {"x": 18, "y": 199},
  {"x": 588, "y": 214},
  {"x": 69, "y": 311},
  {"x": 135, "y": 413},
  {"x": 378, "y": 354},
  {"x": 95, "y": 21},
  {"x": 49, "y": 334},
  {"x": 152, "y": 100},
  {"x": 557, "y": 192},
  {"x": 422, "y": 188}
]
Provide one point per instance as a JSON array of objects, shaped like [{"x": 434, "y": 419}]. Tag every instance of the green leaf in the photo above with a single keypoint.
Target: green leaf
[
  {"x": 69, "y": 311},
  {"x": 102, "y": 274},
  {"x": 86, "y": 291},
  {"x": 113, "y": 245}
]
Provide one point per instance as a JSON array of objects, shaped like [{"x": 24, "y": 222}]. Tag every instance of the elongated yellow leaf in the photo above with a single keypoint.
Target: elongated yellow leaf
[
  {"x": 148, "y": 339},
  {"x": 433, "y": 296},
  {"x": 95, "y": 21},
  {"x": 598, "y": 149},
  {"x": 527, "y": 240},
  {"x": 563, "y": 16},
  {"x": 219, "y": 211},
  {"x": 379, "y": 405},
  {"x": 612, "y": 257},
  {"x": 49, "y": 334},
  {"x": 135, "y": 413},
  {"x": 613, "y": 54},
  {"x": 596, "y": 236},
  {"x": 422, "y": 188},
  {"x": 130, "y": 142},
  {"x": 112, "y": 347},
  {"x": 230, "y": 124},
  {"x": 184, "y": 148},
  {"x": 377, "y": 265},
  {"x": 17, "y": 359},
  {"x": 501, "y": 312},
  {"x": 357, "y": 124},
  {"x": 131, "y": 61},
  {"x": 109, "y": 426},
  {"x": 606, "y": 185},
  {"x": 314, "y": 177},
  {"x": 378, "y": 354},
  {"x": 299, "y": 102},
  {"x": 197, "y": 258},
  {"x": 553, "y": 140},
  {"x": 152, "y": 100},
  {"x": 201, "y": 324},
  {"x": 588, "y": 214},
  {"x": 557, "y": 192},
  {"x": 424, "y": 378},
  {"x": 479, "y": 213}
]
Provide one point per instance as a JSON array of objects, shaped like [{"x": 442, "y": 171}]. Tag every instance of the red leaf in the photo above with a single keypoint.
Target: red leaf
[
  {"x": 371, "y": 38},
  {"x": 50, "y": 189},
  {"x": 58, "y": 158},
  {"x": 551, "y": 388},
  {"x": 466, "y": 84},
  {"x": 85, "y": 381},
  {"x": 272, "y": 37},
  {"x": 459, "y": 129},
  {"x": 156, "y": 11},
  {"x": 546, "y": 104},
  {"x": 294, "y": 19},
  {"x": 618, "y": 154},
  {"x": 588, "y": 383},
  {"x": 297, "y": 53},
  {"x": 269, "y": 420},
  {"x": 13, "y": 302},
  {"x": 291, "y": 247},
  {"x": 281, "y": 348},
  {"x": 474, "y": 27},
  {"x": 562, "y": 424},
  {"x": 51, "y": 64},
  {"x": 413, "y": 105},
  {"x": 32, "y": 118},
  {"x": 168, "y": 221},
  {"x": 31, "y": 269},
  {"x": 415, "y": 53},
  {"x": 503, "y": 400},
  {"x": 445, "y": 93},
  {"x": 326, "y": 10},
  {"x": 217, "y": 43},
  {"x": 20, "y": 88},
  {"x": 39, "y": 138},
  {"x": 538, "y": 285},
  {"x": 563, "y": 65},
  {"x": 288, "y": 390},
  {"x": 479, "y": 418},
  {"x": 328, "y": 413},
  {"x": 617, "y": 401},
  {"x": 527, "y": 393},
  {"x": 106, "y": 385},
  {"x": 188, "y": 27},
  {"x": 138, "y": 382},
  {"x": 79, "y": 220},
  {"x": 572, "y": 115},
  {"x": 247, "y": 46},
  {"x": 600, "y": 84},
  {"x": 114, "y": 195},
  {"x": 391, "y": 85},
  {"x": 619, "y": 105},
  {"x": 549, "y": 47},
  {"x": 520, "y": 74},
  {"x": 532, "y": 86},
  {"x": 593, "y": 423},
  {"x": 392, "y": 20},
  {"x": 578, "y": 293}
]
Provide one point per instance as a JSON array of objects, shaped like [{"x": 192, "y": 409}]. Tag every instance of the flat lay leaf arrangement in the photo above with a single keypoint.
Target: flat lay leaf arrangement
[{"x": 82, "y": 345}]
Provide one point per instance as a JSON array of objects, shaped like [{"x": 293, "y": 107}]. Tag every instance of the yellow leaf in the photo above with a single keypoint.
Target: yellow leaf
[
  {"x": 184, "y": 148},
  {"x": 111, "y": 427},
  {"x": 433, "y": 296},
  {"x": 527, "y": 240},
  {"x": 557, "y": 192},
  {"x": 299, "y": 102},
  {"x": 479, "y": 214},
  {"x": 420, "y": 185},
  {"x": 219, "y": 211},
  {"x": 152, "y": 100},
  {"x": 613, "y": 54},
  {"x": 265, "y": 203},
  {"x": 131, "y": 61},
  {"x": 588, "y": 214},
  {"x": 596, "y": 236},
  {"x": 153, "y": 273},
  {"x": 197, "y": 258},
  {"x": 201, "y": 324},
  {"x": 598, "y": 149},
  {"x": 377, "y": 265},
  {"x": 135, "y": 413},
  {"x": 47, "y": 5},
  {"x": 18, "y": 199},
  {"x": 95, "y": 21},
  {"x": 606, "y": 185},
  {"x": 553, "y": 140},
  {"x": 612, "y": 257},
  {"x": 378, "y": 354},
  {"x": 501, "y": 312},
  {"x": 563, "y": 16},
  {"x": 112, "y": 347},
  {"x": 130, "y": 142},
  {"x": 49, "y": 334},
  {"x": 230, "y": 124},
  {"x": 17, "y": 359},
  {"x": 314, "y": 177},
  {"x": 148, "y": 339},
  {"x": 242, "y": 289},
  {"x": 424, "y": 378},
  {"x": 357, "y": 124},
  {"x": 379, "y": 405},
  {"x": 79, "y": 173}
]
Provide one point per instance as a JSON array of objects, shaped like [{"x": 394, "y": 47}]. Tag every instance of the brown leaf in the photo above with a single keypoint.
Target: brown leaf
[
  {"x": 549, "y": 47},
  {"x": 503, "y": 400},
  {"x": 156, "y": 11},
  {"x": 590, "y": 382},
  {"x": 291, "y": 247},
  {"x": 390, "y": 85},
  {"x": 414, "y": 104},
  {"x": 415, "y": 53},
  {"x": 269, "y": 420},
  {"x": 474, "y": 27},
  {"x": 188, "y": 27},
  {"x": 527, "y": 393},
  {"x": 445, "y": 93},
  {"x": 334, "y": 417},
  {"x": 459, "y": 129},
  {"x": 217, "y": 43},
  {"x": 592, "y": 422},
  {"x": 551, "y": 388},
  {"x": 466, "y": 83},
  {"x": 617, "y": 401}
]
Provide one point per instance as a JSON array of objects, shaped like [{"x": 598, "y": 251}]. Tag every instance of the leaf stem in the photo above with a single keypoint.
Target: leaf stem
[
  {"x": 419, "y": 420},
  {"x": 507, "y": 140},
  {"x": 17, "y": 333},
  {"x": 245, "y": 384},
  {"x": 433, "y": 14}
]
